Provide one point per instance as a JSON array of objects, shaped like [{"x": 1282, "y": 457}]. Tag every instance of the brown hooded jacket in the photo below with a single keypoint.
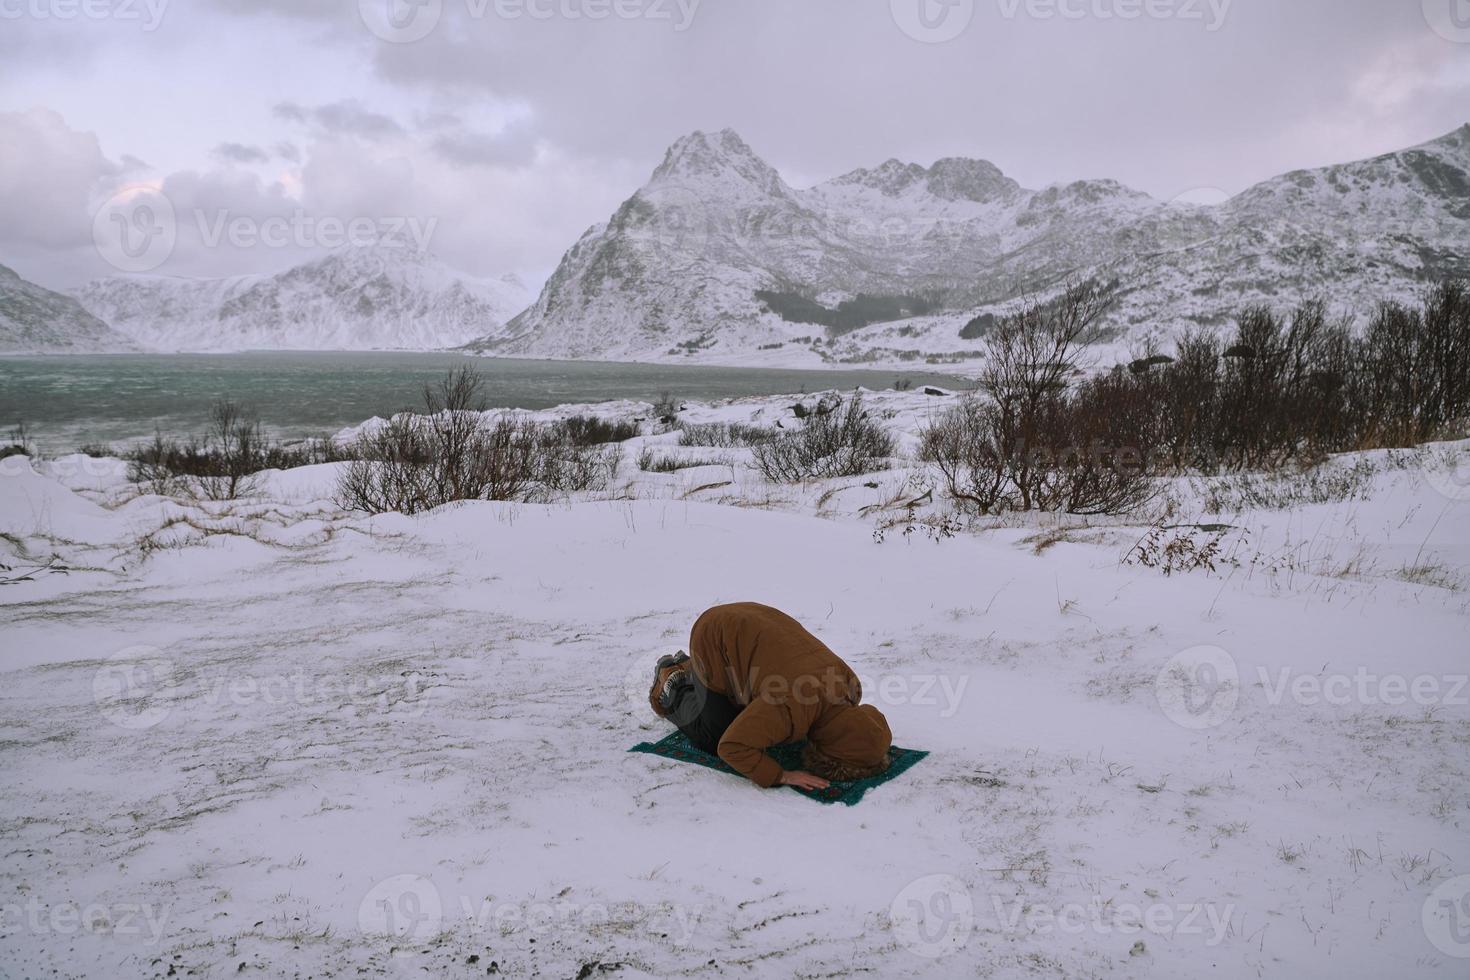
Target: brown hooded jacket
[{"x": 792, "y": 687}]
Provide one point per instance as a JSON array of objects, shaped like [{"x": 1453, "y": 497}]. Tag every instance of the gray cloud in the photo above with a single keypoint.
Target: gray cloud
[
  {"x": 51, "y": 177},
  {"x": 471, "y": 149},
  {"x": 347, "y": 117},
  {"x": 240, "y": 153}
]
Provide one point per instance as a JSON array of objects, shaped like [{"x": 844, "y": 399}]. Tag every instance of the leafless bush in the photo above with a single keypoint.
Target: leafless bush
[
  {"x": 843, "y": 442},
  {"x": 965, "y": 444},
  {"x": 666, "y": 409},
  {"x": 566, "y": 465},
  {"x": 651, "y": 461},
  {"x": 1293, "y": 389},
  {"x": 220, "y": 465},
  {"x": 1184, "y": 548},
  {"x": 1037, "y": 439},
  {"x": 20, "y": 442},
  {"x": 1283, "y": 391},
  {"x": 454, "y": 451},
  {"x": 588, "y": 430},
  {"x": 724, "y": 435},
  {"x": 1412, "y": 370}
]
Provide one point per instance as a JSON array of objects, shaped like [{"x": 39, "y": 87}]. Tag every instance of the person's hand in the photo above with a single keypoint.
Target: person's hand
[{"x": 803, "y": 780}]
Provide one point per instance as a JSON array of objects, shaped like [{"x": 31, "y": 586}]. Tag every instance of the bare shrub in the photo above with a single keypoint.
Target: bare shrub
[
  {"x": 1182, "y": 548},
  {"x": 1037, "y": 439},
  {"x": 20, "y": 442},
  {"x": 1412, "y": 369},
  {"x": 1292, "y": 389},
  {"x": 965, "y": 445},
  {"x": 666, "y": 409},
  {"x": 651, "y": 461},
  {"x": 220, "y": 465},
  {"x": 724, "y": 435},
  {"x": 588, "y": 430},
  {"x": 843, "y": 442},
  {"x": 455, "y": 451},
  {"x": 564, "y": 464}
]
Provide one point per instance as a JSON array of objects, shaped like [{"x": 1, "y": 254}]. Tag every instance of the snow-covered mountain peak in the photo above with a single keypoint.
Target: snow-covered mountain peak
[
  {"x": 719, "y": 158},
  {"x": 890, "y": 178},
  {"x": 1087, "y": 193},
  {"x": 949, "y": 179},
  {"x": 965, "y": 179},
  {"x": 718, "y": 257}
]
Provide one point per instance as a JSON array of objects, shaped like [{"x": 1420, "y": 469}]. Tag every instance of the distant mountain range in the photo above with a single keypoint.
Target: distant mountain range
[
  {"x": 717, "y": 258},
  {"x": 354, "y": 298},
  {"x": 35, "y": 320}
]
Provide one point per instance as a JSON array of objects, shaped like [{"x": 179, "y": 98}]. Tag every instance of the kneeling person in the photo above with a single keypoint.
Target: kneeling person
[{"x": 755, "y": 678}]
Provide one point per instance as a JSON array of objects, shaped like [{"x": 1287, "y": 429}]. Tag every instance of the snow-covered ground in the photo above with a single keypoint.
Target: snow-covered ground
[{"x": 270, "y": 738}]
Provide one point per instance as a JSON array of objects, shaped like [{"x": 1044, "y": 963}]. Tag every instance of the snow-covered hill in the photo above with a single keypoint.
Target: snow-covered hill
[
  {"x": 355, "y": 298},
  {"x": 675, "y": 271},
  {"x": 35, "y": 320}
]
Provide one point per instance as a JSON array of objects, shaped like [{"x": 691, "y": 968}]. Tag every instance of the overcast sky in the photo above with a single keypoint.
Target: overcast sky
[{"x": 507, "y": 127}]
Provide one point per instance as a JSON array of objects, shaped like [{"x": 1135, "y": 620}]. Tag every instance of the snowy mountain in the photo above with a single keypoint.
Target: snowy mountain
[
  {"x": 677, "y": 270},
  {"x": 35, "y": 320},
  {"x": 355, "y": 298}
]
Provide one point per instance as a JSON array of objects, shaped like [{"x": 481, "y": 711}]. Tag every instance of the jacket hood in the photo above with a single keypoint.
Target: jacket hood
[{"x": 850, "y": 742}]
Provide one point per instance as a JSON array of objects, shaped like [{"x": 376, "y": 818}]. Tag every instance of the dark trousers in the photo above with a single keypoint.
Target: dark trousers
[{"x": 702, "y": 715}]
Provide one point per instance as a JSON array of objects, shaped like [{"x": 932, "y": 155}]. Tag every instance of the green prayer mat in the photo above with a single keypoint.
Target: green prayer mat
[{"x": 676, "y": 746}]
